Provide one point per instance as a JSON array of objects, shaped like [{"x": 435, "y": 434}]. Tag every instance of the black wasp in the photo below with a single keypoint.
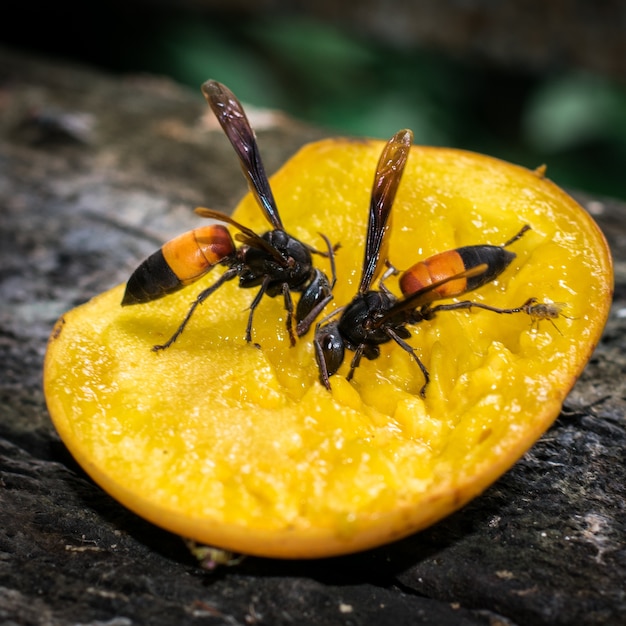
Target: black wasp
[
  {"x": 275, "y": 261},
  {"x": 375, "y": 317}
]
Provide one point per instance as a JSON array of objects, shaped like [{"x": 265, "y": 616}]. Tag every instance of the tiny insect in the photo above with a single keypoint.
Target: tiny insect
[
  {"x": 540, "y": 311},
  {"x": 275, "y": 262},
  {"x": 375, "y": 317}
]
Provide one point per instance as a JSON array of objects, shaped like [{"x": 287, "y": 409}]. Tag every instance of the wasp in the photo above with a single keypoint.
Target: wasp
[
  {"x": 375, "y": 317},
  {"x": 275, "y": 262}
]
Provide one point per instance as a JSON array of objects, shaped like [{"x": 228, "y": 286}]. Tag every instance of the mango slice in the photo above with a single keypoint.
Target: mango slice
[{"x": 242, "y": 448}]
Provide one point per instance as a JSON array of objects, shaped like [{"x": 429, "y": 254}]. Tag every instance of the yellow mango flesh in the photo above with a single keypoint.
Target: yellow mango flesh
[{"x": 242, "y": 448}]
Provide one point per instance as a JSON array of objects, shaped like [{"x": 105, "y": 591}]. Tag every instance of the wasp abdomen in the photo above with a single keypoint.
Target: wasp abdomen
[
  {"x": 452, "y": 262},
  {"x": 192, "y": 254},
  {"x": 180, "y": 261},
  {"x": 496, "y": 258}
]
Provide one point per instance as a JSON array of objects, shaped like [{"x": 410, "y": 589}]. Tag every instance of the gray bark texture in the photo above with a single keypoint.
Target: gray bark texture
[{"x": 95, "y": 173}]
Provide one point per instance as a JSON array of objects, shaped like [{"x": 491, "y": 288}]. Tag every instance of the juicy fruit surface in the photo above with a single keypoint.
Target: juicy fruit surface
[{"x": 242, "y": 448}]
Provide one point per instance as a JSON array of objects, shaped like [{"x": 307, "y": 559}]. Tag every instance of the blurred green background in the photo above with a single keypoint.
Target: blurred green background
[{"x": 573, "y": 121}]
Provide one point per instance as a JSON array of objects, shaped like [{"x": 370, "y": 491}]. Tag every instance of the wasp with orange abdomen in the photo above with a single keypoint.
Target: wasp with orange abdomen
[
  {"x": 275, "y": 262},
  {"x": 375, "y": 316}
]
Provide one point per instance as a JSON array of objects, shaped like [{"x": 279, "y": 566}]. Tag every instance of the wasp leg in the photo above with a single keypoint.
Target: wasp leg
[
  {"x": 253, "y": 306},
  {"x": 513, "y": 239},
  {"x": 537, "y": 311},
  {"x": 405, "y": 346},
  {"x": 321, "y": 364},
  {"x": 330, "y": 255},
  {"x": 356, "y": 359},
  {"x": 289, "y": 309},
  {"x": 305, "y": 323},
  {"x": 390, "y": 271},
  {"x": 468, "y": 304},
  {"x": 202, "y": 296}
]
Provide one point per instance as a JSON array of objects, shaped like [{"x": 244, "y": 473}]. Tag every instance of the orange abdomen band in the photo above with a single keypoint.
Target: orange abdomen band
[
  {"x": 432, "y": 270},
  {"x": 195, "y": 252}
]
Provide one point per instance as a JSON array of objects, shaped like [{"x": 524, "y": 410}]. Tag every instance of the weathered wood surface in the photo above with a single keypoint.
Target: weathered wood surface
[{"x": 94, "y": 173}]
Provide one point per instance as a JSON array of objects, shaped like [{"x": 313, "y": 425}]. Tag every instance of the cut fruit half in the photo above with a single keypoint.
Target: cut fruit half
[{"x": 243, "y": 448}]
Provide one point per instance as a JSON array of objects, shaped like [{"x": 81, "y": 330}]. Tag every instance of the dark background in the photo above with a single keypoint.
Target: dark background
[{"x": 528, "y": 81}]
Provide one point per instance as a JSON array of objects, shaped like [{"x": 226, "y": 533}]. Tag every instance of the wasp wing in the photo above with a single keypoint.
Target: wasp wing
[
  {"x": 427, "y": 295},
  {"x": 233, "y": 120},
  {"x": 386, "y": 181}
]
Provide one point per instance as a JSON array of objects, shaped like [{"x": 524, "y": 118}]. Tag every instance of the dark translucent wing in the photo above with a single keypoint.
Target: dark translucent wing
[
  {"x": 233, "y": 120},
  {"x": 248, "y": 237},
  {"x": 428, "y": 294},
  {"x": 388, "y": 174}
]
